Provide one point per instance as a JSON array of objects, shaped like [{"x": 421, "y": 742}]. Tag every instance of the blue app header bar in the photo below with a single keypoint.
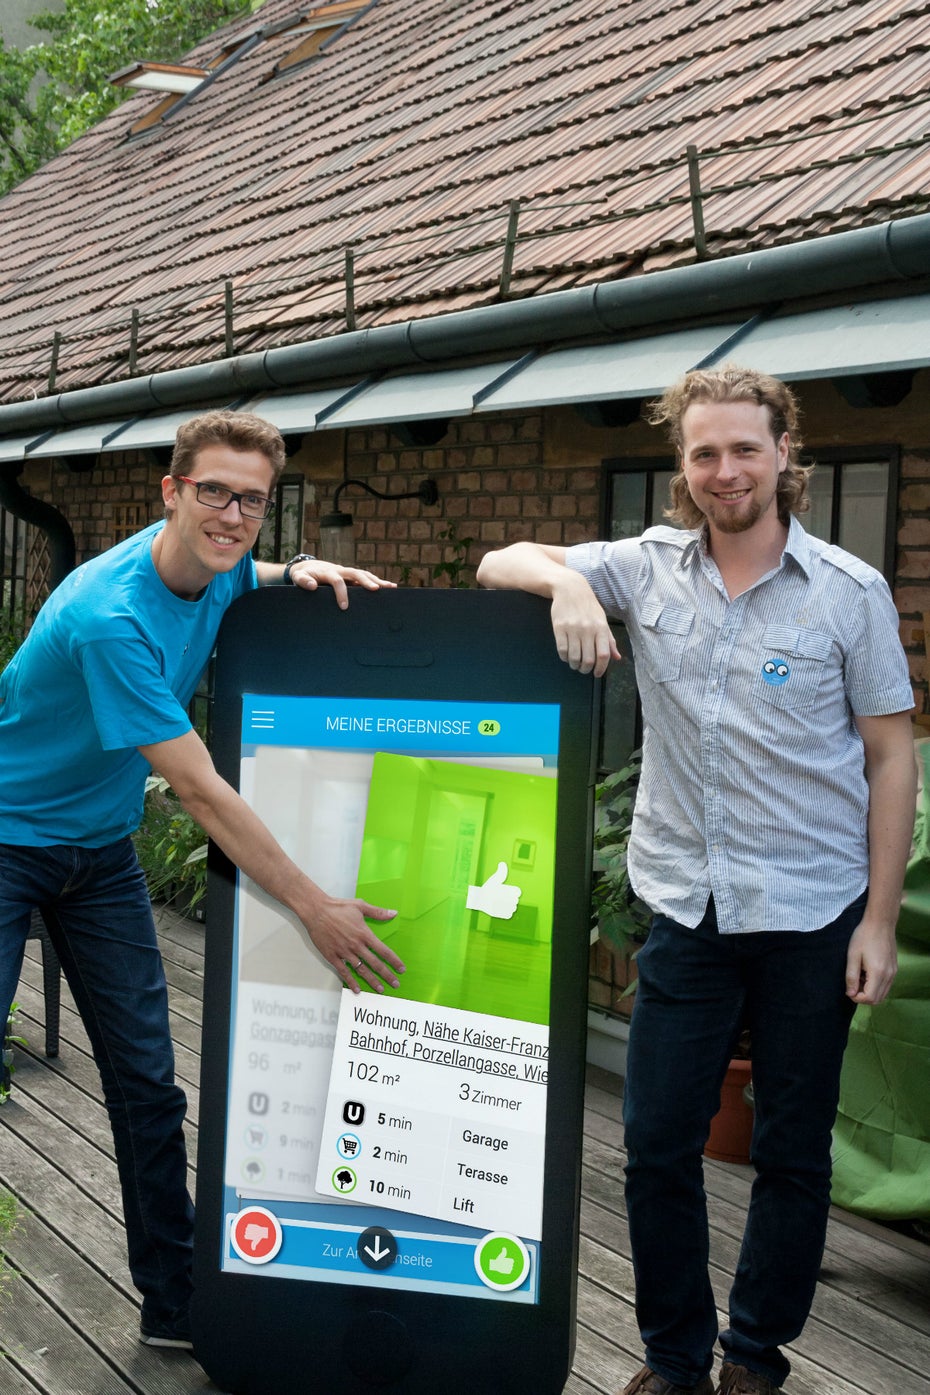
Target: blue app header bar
[{"x": 371, "y": 724}]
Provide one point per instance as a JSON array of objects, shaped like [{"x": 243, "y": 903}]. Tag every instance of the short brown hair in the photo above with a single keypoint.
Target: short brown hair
[
  {"x": 730, "y": 383},
  {"x": 241, "y": 431}
]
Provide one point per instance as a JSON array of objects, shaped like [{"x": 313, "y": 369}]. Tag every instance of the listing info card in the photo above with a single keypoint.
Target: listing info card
[{"x": 451, "y": 1074}]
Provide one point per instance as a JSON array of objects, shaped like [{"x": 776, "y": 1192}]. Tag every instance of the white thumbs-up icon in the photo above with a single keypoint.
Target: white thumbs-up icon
[{"x": 496, "y": 898}]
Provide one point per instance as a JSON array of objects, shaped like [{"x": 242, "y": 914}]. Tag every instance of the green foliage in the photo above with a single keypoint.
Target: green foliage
[
  {"x": 9, "y": 1219},
  {"x": 11, "y": 1038},
  {"x": 9, "y": 1214},
  {"x": 171, "y": 847},
  {"x": 54, "y": 90},
  {"x": 623, "y": 920},
  {"x": 455, "y": 554},
  {"x": 11, "y": 637}
]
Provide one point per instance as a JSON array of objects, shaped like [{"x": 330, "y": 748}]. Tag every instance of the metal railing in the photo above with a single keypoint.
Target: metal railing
[{"x": 16, "y": 607}]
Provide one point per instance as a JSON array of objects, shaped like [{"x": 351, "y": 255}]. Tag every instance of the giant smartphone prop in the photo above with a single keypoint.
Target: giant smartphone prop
[{"x": 388, "y": 1182}]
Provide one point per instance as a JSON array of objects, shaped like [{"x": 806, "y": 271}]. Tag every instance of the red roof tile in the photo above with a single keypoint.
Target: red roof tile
[{"x": 409, "y": 135}]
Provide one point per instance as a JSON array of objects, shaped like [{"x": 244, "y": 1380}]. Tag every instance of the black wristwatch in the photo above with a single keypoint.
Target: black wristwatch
[{"x": 301, "y": 557}]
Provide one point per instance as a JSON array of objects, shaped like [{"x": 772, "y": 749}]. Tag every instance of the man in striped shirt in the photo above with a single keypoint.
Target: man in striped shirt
[{"x": 771, "y": 830}]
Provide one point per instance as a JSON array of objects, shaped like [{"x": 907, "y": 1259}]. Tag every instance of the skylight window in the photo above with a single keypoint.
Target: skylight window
[
  {"x": 159, "y": 77},
  {"x": 313, "y": 27},
  {"x": 177, "y": 80},
  {"x": 317, "y": 26}
]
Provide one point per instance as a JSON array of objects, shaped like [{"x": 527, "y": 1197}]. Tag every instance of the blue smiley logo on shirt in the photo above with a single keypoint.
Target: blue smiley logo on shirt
[{"x": 775, "y": 672}]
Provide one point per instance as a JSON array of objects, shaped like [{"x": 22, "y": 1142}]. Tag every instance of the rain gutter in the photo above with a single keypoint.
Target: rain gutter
[{"x": 887, "y": 253}]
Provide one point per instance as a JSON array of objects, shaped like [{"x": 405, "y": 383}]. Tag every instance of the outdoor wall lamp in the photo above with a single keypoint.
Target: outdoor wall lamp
[{"x": 337, "y": 536}]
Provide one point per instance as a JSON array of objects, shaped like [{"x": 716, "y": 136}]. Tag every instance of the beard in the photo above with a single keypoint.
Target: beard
[{"x": 736, "y": 520}]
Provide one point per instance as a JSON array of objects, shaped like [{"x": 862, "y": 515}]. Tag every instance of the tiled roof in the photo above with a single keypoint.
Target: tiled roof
[{"x": 406, "y": 140}]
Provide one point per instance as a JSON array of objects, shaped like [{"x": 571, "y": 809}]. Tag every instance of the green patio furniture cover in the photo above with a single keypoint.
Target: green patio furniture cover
[{"x": 881, "y": 1141}]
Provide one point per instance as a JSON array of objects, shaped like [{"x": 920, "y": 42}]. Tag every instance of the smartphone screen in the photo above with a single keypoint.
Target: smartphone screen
[{"x": 396, "y": 1139}]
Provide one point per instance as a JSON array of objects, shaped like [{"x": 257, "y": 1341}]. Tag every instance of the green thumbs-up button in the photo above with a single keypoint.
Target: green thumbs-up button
[{"x": 501, "y": 1261}]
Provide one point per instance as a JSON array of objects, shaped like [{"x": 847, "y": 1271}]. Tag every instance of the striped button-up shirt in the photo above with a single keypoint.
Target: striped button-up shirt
[{"x": 753, "y": 786}]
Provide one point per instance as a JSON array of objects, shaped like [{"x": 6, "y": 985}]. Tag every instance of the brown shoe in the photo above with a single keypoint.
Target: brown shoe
[
  {"x": 739, "y": 1380},
  {"x": 647, "y": 1382}
]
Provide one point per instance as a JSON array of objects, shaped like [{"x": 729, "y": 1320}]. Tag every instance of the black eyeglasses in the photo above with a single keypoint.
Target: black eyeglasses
[{"x": 217, "y": 496}]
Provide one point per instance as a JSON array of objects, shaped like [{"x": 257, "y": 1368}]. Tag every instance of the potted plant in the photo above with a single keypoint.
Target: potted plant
[{"x": 731, "y": 1127}]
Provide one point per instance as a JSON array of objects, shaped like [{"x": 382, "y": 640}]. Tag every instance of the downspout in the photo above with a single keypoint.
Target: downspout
[
  {"x": 57, "y": 529},
  {"x": 890, "y": 252}
]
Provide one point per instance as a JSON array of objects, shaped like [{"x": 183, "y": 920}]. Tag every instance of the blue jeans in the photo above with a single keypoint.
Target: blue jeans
[
  {"x": 696, "y": 988},
  {"x": 99, "y": 917}
]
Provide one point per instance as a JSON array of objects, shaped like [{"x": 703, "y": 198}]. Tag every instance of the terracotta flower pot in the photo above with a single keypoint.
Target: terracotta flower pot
[{"x": 731, "y": 1128}]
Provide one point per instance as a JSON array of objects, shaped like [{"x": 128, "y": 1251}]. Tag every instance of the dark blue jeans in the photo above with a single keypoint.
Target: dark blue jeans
[
  {"x": 695, "y": 989},
  {"x": 100, "y": 919}
]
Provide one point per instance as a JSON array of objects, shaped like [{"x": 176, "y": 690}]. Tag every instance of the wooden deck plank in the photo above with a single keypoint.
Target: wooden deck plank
[
  {"x": 870, "y": 1323},
  {"x": 45, "y": 1346},
  {"x": 47, "y": 1192},
  {"x": 869, "y": 1332},
  {"x": 184, "y": 1009},
  {"x": 73, "y": 1094},
  {"x": 59, "y": 1138},
  {"x": 75, "y": 1062},
  {"x": 827, "y": 1336},
  {"x": 12, "y": 1382},
  {"x": 870, "y": 1264},
  {"x": 576, "y": 1385},
  {"x": 840, "y": 1335},
  {"x": 72, "y": 1034},
  {"x": 104, "y": 1312},
  {"x": 57, "y": 1142}
]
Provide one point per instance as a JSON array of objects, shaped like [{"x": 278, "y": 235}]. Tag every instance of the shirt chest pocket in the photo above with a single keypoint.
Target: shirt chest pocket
[
  {"x": 792, "y": 666},
  {"x": 664, "y": 632}
]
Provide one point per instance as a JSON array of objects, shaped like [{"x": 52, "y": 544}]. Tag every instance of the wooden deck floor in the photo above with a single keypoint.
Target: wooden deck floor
[{"x": 69, "y": 1315}]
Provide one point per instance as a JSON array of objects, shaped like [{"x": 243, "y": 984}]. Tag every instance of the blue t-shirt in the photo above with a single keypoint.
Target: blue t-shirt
[{"x": 110, "y": 664}]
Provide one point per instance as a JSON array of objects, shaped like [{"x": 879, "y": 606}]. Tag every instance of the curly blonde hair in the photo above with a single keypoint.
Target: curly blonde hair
[{"x": 730, "y": 383}]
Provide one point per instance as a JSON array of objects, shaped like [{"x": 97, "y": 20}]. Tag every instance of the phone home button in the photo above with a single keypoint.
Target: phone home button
[{"x": 378, "y": 1348}]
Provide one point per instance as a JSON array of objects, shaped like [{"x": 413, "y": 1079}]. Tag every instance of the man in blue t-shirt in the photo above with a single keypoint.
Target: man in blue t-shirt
[{"x": 94, "y": 700}]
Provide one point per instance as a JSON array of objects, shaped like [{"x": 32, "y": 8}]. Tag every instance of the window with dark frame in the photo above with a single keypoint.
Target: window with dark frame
[
  {"x": 318, "y": 26},
  {"x": 282, "y": 535}
]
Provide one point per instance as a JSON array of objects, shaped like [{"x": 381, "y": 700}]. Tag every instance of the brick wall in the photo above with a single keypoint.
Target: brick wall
[
  {"x": 91, "y": 501},
  {"x": 610, "y": 973},
  {"x": 495, "y": 487},
  {"x": 912, "y": 575}
]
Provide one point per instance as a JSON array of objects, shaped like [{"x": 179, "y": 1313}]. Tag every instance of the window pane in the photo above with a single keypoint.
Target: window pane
[
  {"x": 627, "y": 504},
  {"x": 619, "y": 707},
  {"x": 661, "y": 480},
  {"x": 863, "y": 509},
  {"x": 290, "y": 497},
  {"x": 281, "y": 536},
  {"x": 820, "y": 488}
]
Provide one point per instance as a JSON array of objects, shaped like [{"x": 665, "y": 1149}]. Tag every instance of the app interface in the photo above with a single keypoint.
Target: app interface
[{"x": 396, "y": 1139}]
